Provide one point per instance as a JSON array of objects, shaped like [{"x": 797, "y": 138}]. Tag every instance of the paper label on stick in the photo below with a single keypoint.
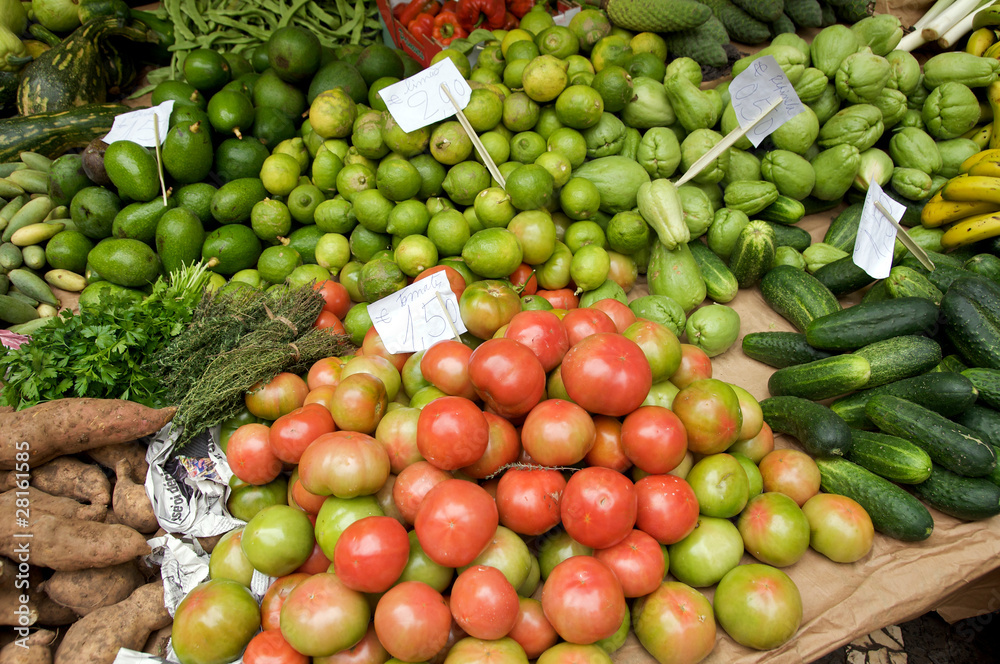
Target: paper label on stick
[
  {"x": 137, "y": 126},
  {"x": 413, "y": 319},
  {"x": 876, "y": 234},
  {"x": 418, "y": 101},
  {"x": 755, "y": 89}
]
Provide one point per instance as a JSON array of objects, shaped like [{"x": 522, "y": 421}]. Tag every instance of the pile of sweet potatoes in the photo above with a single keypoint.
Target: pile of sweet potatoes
[{"x": 71, "y": 486}]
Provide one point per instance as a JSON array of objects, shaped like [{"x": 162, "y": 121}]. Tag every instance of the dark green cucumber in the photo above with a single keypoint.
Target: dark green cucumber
[
  {"x": 949, "y": 444},
  {"x": 906, "y": 282},
  {"x": 971, "y": 322},
  {"x": 720, "y": 284},
  {"x": 878, "y": 292},
  {"x": 987, "y": 382},
  {"x": 781, "y": 349},
  {"x": 842, "y": 276},
  {"x": 752, "y": 254},
  {"x": 995, "y": 475},
  {"x": 797, "y": 295},
  {"x": 894, "y": 512},
  {"x": 818, "y": 429},
  {"x": 945, "y": 393},
  {"x": 814, "y": 205},
  {"x": 944, "y": 274},
  {"x": 951, "y": 363},
  {"x": 864, "y": 324},
  {"x": 900, "y": 357},
  {"x": 790, "y": 236},
  {"x": 843, "y": 230},
  {"x": 966, "y": 498},
  {"x": 984, "y": 421},
  {"x": 985, "y": 265},
  {"x": 896, "y": 459},
  {"x": 784, "y": 210},
  {"x": 821, "y": 379}
]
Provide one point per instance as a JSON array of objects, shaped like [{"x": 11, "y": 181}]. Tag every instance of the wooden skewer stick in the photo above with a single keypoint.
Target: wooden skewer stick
[
  {"x": 724, "y": 144},
  {"x": 480, "y": 148},
  {"x": 447, "y": 316},
  {"x": 159, "y": 158},
  {"x": 907, "y": 241}
]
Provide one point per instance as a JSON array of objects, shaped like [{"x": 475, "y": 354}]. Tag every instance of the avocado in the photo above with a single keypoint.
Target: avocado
[
  {"x": 231, "y": 248},
  {"x": 179, "y": 236},
  {"x": 138, "y": 220},
  {"x": 66, "y": 178},
  {"x": 234, "y": 200},
  {"x": 132, "y": 170},
  {"x": 187, "y": 153},
  {"x": 93, "y": 210},
  {"x": 125, "y": 262}
]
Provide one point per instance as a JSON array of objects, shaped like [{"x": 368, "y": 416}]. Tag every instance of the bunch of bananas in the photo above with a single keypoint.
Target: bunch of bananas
[
  {"x": 969, "y": 204},
  {"x": 984, "y": 39}
]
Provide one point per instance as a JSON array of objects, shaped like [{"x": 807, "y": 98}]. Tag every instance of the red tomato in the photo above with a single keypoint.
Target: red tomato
[
  {"x": 543, "y": 333},
  {"x": 371, "y": 554},
  {"x": 583, "y": 600},
  {"x": 675, "y": 623},
  {"x": 618, "y": 312},
  {"x": 446, "y": 366},
  {"x": 291, "y": 434},
  {"x": 336, "y": 299},
  {"x": 558, "y": 433},
  {"x": 412, "y": 621},
  {"x": 582, "y": 322},
  {"x": 455, "y": 522},
  {"x": 397, "y": 432},
  {"x": 322, "y": 616},
  {"x": 563, "y": 298},
  {"x": 328, "y": 321},
  {"x": 366, "y": 651},
  {"x": 373, "y": 345},
  {"x": 455, "y": 279},
  {"x": 606, "y": 374},
  {"x": 637, "y": 561},
  {"x": 791, "y": 472},
  {"x": 250, "y": 455},
  {"x": 274, "y": 598},
  {"x": 507, "y": 376},
  {"x": 598, "y": 507},
  {"x": 695, "y": 365},
  {"x": 532, "y": 629},
  {"x": 483, "y": 602},
  {"x": 667, "y": 508},
  {"x": 324, "y": 372},
  {"x": 359, "y": 402},
  {"x": 317, "y": 561},
  {"x": 653, "y": 438},
  {"x": 345, "y": 464},
  {"x": 755, "y": 448},
  {"x": 523, "y": 279},
  {"x": 270, "y": 647},
  {"x": 840, "y": 528},
  {"x": 452, "y": 432},
  {"x": 298, "y": 496},
  {"x": 503, "y": 448},
  {"x": 660, "y": 345},
  {"x": 412, "y": 484},
  {"x": 528, "y": 500},
  {"x": 281, "y": 395},
  {"x": 323, "y": 395},
  {"x": 488, "y": 305},
  {"x": 607, "y": 449}
]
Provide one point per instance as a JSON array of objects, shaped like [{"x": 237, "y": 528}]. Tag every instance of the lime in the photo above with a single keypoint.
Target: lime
[
  {"x": 250, "y": 276},
  {"x": 357, "y": 322},
  {"x": 492, "y": 253},
  {"x": 582, "y": 78},
  {"x": 493, "y": 208},
  {"x": 580, "y": 199},
  {"x": 459, "y": 58},
  {"x": 491, "y": 58},
  {"x": 557, "y": 40},
  {"x": 611, "y": 50},
  {"x": 485, "y": 76},
  {"x": 377, "y": 61},
  {"x": 354, "y": 178},
  {"x": 348, "y": 277},
  {"x": 520, "y": 112},
  {"x": 548, "y": 121},
  {"x": 332, "y": 114},
  {"x": 293, "y": 53},
  {"x": 449, "y": 231},
  {"x": 325, "y": 168},
  {"x": 397, "y": 179},
  {"x": 485, "y": 110},
  {"x": 372, "y": 210},
  {"x": 513, "y": 73},
  {"x": 570, "y": 143},
  {"x": 649, "y": 42},
  {"x": 579, "y": 106},
  {"x": 544, "y": 78},
  {"x": 307, "y": 274},
  {"x": 511, "y": 38},
  {"x": 333, "y": 251},
  {"x": 414, "y": 254},
  {"x": 614, "y": 84},
  {"x": 458, "y": 264},
  {"x": 380, "y": 277},
  {"x": 530, "y": 187},
  {"x": 589, "y": 267},
  {"x": 335, "y": 215},
  {"x": 521, "y": 50},
  {"x": 558, "y": 166},
  {"x": 583, "y": 233},
  {"x": 535, "y": 303},
  {"x": 280, "y": 174},
  {"x": 270, "y": 219},
  {"x": 536, "y": 234},
  {"x": 365, "y": 243},
  {"x": 450, "y": 144},
  {"x": 648, "y": 65},
  {"x": 206, "y": 70},
  {"x": 432, "y": 174},
  {"x": 295, "y": 147},
  {"x": 627, "y": 232},
  {"x": 525, "y": 146},
  {"x": 407, "y": 144},
  {"x": 408, "y": 218},
  {"x": 470, "y": 216},
  {"x": 536, "y": 20},
  {"x": 303, "y": 201},
  {"x": 374, "y": 99},
  {"x": 589, "y": 26},
  {"x": 578, "y": 64},
  {"x": 496, "y": 146},
  {"x": 277, "y": 262},
  {"x": 465, "y": 180}
]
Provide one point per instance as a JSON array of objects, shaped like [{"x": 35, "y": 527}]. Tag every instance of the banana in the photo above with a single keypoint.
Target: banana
[
  {"x": 980, "y": 40},
  {"x": 988, "y": 168},
  {"x": 987, "y": 16},
  {"x": 972, "y": 188},
  {"x": 937, "y": 213},
  {"x": 978, "y": 157},
  {"x": 980, "y": 135},
  {"x": 972, "y": 229}
]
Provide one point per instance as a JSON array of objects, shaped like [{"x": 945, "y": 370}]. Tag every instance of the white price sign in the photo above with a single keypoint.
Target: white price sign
[
  {"x": 755, "y": 89},
  {"x": 418, "y": 101},
  {"x": 876, "y": 234},
  {"x": 417, "y": 316},
  {"x": 137, "y": 126}
]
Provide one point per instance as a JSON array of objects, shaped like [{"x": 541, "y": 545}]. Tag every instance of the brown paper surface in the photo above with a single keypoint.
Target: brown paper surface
[
  {"x": 980, "y": 596},
  {"x": 897, "y": 581},
  {"x": 908, "y": 11}
]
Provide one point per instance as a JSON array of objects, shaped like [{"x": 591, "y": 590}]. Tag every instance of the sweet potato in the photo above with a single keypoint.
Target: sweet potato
[
  {"x": 38, "y": 610},
  {"x": 70, "y": 544},
  {"x": 97, "y": 637},
  {"x": 68, "y": 426},
  {"x": 39, "y": 501},
  {"x": 131, "y": 504},
  {"x": 157, "y": 642},
  {"x": 109, "y": 456},
  {"x": 90, "y": 589},
  {"x": 68, "y": 477},
  {"x": 38, "y": 651}
]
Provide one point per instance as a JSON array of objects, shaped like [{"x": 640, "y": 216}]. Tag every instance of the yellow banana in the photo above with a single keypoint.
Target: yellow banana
[
  {"x": 993, "y": 97},
  {"x": 987, "y": 16},
  {"x": 973, "y": 229},
  {"x": 980, "y": 135},
  {"x": 978, "y": 157},
  {"x": 980, "y": 40},
  {"x": 992, "y": 51},
  {"x": 972, "y": 188},
  {"x": 940, "y": 212},
  {"x": 988, "y": 167}
]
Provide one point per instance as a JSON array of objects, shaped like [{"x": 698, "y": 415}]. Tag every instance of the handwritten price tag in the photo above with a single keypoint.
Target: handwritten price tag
[
  {"x": 418, "y": 101},
  {"x": 137, "y": 126},
  {"x": 876, "y": 234},
  {"x": 755, "y": 89},
  {"x": 417, "y": 316}
]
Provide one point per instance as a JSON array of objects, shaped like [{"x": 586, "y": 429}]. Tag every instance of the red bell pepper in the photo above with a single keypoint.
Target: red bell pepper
[
  {"x": 489, "y": 14},
  {"x": 520, "y": 7},
  {"x": 510, "y": 21},
  {"x": 422, "y": 25},
  {"x": 413, "y": 8},
  {"x": 447, "y": 28}
]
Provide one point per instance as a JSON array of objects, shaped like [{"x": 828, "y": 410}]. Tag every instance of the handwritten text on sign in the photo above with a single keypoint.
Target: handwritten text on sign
[
  {"x": 137, "y": 126},
  {"x": 412, "y": 319},
  {"x": 876, "y": 234},
  {"x": 418, "y": 101},
  {"x": 755, "y": 89}
]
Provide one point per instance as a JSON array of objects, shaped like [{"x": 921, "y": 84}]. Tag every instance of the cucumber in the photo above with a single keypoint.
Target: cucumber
[
  {"x": 878, "y": 292},
  {"x": 781, "y": 349},
  {"x": 797, "y": 295},
  {"x": 784, "y": 210},
  {"x": 949, "y": 444},
  {"x": 984, "y": 421},
  {"x": 942, "y": 276},
  {"x": 815, "y": 205},
  {"x": 752, "y": 253},
  {"x": 967, "y": 498},
  {"x": 842, "y": 276},
  {"x": 951, "y": 363},
  {"x": 945, "y": 393},
  {"x": 790, "y": 236},
  {"x": 906, "y": 282},
  {"x": 864, "y": 324},
  {"x": 987, "y": 381},
  {"x": 843, "y": 230},
  {"x": 971, "y": 309},
  {"x": 894, "y": 512},
  {"x": 896, "y": 459},
  {"x": 985, "y": 265},
  {"x": 821, "y": 379},
  {"x": 818, "y": 429},
  {"x": 720, "y": 284},
  {"x": 33, "y": 286},
  {"x": 900, "y": 357}
]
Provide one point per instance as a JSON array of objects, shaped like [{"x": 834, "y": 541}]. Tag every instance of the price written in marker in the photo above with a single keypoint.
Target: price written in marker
[
  {"x": 417, "y": 316},
  {"x": 138, "y": 126},
  {"x": 418, "y": 101},
  {"x": 755, "y": 89},
  {"x": 876, "y": 234}
]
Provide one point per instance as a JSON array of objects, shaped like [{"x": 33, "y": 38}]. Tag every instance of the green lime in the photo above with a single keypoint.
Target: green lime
[
  {"x": 515, "y": 36},
  {"x": 491, "y": 58},
  {"x": 648, "y": 65},
  {"x": 206, "y": 70},
  {"x": 325, "y": 169},
  {"x": 548, "y": 121},
  {"x": 558, "y": 166},
  {"x": 354, "y": 178},
  {"x": 614, "y": 84},
  {"x": 536, "y": 20},
  {"x": 333, "y": 251},
  {"x": 406, "y": 144},
  {"x": 357, "y": 322},
  {"x": 484, "y": 111},
  {"x": 492, "y": 253},
  {"x": 414, "y": 254},
  {"x": 611, "y": 50},
  {"x": 497, "y": 146},
  {"x": 580, "y": 199},
  {"x": 335, "y": 215},
  {"x": 303, "y": 240},
  {"x": 627, "y": 232},
  {"x": 424, "y": 396},
  {"x": 280, "y": 174},
  {"x": 465, "y": 180},
  {"x": 544, "y": 78},
  {"x": 583, "y": 233},
  {"x": 372, "y": 210},
  {"x": 303, "y": 201},
  {"x": 525, "y": 146},
  {"x": 520, "y": 112},
  {"x": 307, "y": 274},
  {"x": 530, "y": 187},
  {"x": 473, "y": 219},
  {"x": 458, "y": 264},
  {"x": 535, "y": 303},
  {"x": 589, "y": 26},
  {"x": 570, "y": 143},
  {"x": 485, "y": 76},
  {"x": 365, "y": 243},
  {"x": 349, "y": 275},
  {"x": 649, "y": 42},
  {"x": 270, "y": 219},
  {"x": 536, "y": 234},
  {"x": 450, "y": 144},
  {"x": 250, "y": 276},
  {"x": 332, "y": 113},
  {"x": 408, "y": 218},
  {"x": 380, "y": 277},
  {"x": 557, "y": 40},
  {"x": 589, "y": 267},
  {"x": 449, "y": 231},
  {"x": 513, "y": 73},
  {"x": 579, "y": 106},
  {"x": 459, "y": 58},
  {"x": 523, "y": 49},
  {"x": 378, "y": 61},
  {"x": 432, "y": 174},
  {"x": 581, "y": 78},
  {"x": 397, "y": 179},
  {"x": 493, "y": 208},
  {"x": 276, "y": 263}
]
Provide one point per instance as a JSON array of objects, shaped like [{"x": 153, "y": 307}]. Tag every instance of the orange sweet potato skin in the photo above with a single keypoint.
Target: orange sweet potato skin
[
  {"x": 71, "y": 544},
  {"x": 69, "y": 477},
  {"x": 87, "y": 590},
  {"x": 38, "y": 651}
]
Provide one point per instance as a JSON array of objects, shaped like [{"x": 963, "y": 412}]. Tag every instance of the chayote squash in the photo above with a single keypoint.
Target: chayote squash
[
  {"x": 727, "y": 224},
  {"x": 913, "y": 148},
  {"x": 861, "y": 77},
  {"x": 881, "y": 33},
  {"x": 826, "y": 105},
  {"x": 660, "y": 205},
  {"x": 649, "y": 106},
  {"x": 684, "y": 67},
  {"x": 792, "y": 39},
  {"x": 718, "y": 102},
  {"x": 953, "y": 153},
  {"x": 859, "y": 125},
  {"x": 912, "y": 183},
  {"x": 819, "y": 254},
  {"x": 799, "y": 133},
  {"x": 917, "y": 97},
  {"x": 951, "y": 110},
  {"x": 750, "y": 196},
  {"x": 785, "y": 255},
  {"x": 713, "y": 191},
  {"x": 676, "y": 274},
  {"x": 714, "y": 328},
  {"x": 830, "y": 46},
  {"x": 791, "y": 60},
  {"x": 811, "y": 86},
  {"x": 660, "y": 309},
  {"x": 892, "y": 104},
  {"x": 958, "y": 67},
  {"x": 617, "y": 179},
  {"x": 698, "y": 213},
  {"x": 835, "y": 170},
  {"x": 791, "y": 173},
  {"x": 694, "y": 109},
  {"x": 875, "y": 166},
  {"x": 730, "y": 123},
  {"x": 659, "y": 152},
  {"x": 912, "y": 118},
  {"x": 743, "y": 165},
  {"x": 904, "y": 72},
  {"x": 697, "y": 143},
  {"x": 605, "y": 138}
]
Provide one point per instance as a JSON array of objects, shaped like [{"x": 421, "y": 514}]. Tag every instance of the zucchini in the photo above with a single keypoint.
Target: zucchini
[
  {"x": 720, "y": 284},
  {"x": 899, "y": 357},
  {"x": 781, "y": 349},
  {"x": 966, "y": 498},
  {"x": 893, "y": 511},
  {"x": 843, "y": 230},
  {"x": 818, "y": 429},
  {"x": 896, "y": 459},
  {"x": 797, "y": 296},
  {"x": 906, "y": 282},
  {"x": 985, "y": 265},
  {"x": 986, "y": 381},
  {"x": 949, "y": 444},
  {"x": 984, "y": 421},
  {"x": 842, "y": 276},
  {"x": 784, "y": 210},
  {"x": 946, "y": 393},
  {"x": 867, "y": 323},
  {"x": 971, "y": 309},
  {"x": 52, "y": 134},
  {"x": 821, "y": 379},
  {"x": 951, "y": 363},
  {"x": 752, "y": 253},
  {"x": 790, "y": 236}
]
